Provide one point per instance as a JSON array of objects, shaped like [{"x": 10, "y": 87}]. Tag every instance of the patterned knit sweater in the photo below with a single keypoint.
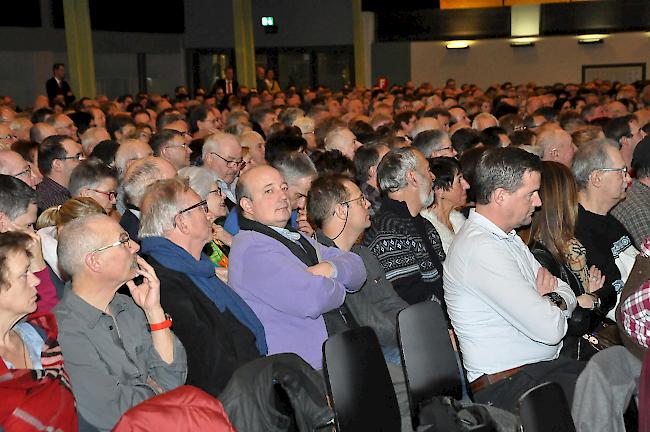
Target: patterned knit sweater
[{"x": 397, "y": 240}]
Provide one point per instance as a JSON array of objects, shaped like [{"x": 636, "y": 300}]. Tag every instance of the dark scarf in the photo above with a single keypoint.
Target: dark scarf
[
  {"x": 336, "y": 320},
  {"x": 201, "y": 273}
]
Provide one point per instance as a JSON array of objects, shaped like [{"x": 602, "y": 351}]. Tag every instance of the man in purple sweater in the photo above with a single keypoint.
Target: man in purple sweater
[{"x": 288, "y": 280}]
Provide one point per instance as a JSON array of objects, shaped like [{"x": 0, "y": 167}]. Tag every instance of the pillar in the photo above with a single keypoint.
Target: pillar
[{"x": 78, "y": 37}]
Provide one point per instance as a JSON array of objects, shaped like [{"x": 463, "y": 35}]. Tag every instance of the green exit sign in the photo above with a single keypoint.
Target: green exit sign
[{"x": 268, "y": 21}]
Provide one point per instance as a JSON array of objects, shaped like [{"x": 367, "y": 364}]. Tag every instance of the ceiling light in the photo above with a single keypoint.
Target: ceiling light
[
  {"x": 591, "y": 38},
  {"x": 457, "y": 44},
  {"x": 522, "y": 42}
]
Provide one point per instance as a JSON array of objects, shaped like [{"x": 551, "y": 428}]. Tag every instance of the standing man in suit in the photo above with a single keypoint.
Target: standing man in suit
[
  {"x": 57, "y": 87},
  {"x": 229, "y": 84}
]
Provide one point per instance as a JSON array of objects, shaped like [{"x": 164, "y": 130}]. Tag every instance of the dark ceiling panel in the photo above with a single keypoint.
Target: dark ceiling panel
[
  {"x": 440, "y": 25},
  {"x": 597, "y": 16}
]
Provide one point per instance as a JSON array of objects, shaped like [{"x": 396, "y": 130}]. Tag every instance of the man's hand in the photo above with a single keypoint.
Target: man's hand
[
  {"x": 221, "y": 273},
  {"x": 220, "y": 234},
  {"x": 303, "y": 225},
  {"x": 324, "y": 269},
  {"x": 545, "y": 281},
  {"x": 147, "y": 294}
]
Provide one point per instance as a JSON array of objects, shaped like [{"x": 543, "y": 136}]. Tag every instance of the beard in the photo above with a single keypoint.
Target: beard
[{"x": 426, "y": 197}]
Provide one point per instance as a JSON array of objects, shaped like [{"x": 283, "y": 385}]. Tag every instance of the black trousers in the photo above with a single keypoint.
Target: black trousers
[{"x": 505, "y": 393}]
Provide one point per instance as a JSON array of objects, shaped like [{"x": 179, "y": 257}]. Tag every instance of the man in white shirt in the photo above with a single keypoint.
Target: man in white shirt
[{"x": 509, "y": 313}]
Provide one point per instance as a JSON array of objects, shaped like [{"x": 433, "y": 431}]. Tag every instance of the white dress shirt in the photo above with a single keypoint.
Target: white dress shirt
[{"x": 500, "y": 318}]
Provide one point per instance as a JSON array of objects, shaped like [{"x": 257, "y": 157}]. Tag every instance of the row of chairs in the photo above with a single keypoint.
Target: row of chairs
[{"x": 362, "y": 395}]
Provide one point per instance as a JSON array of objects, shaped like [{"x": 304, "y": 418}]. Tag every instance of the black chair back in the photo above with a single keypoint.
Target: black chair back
[
  {"x": 545, "y": 409},
  {"x": 358, "y": 383},
  {"x": 428, "y": 357}
]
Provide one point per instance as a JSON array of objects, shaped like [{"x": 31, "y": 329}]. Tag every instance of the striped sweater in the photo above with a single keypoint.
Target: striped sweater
[{"x": 397, "y": 240}]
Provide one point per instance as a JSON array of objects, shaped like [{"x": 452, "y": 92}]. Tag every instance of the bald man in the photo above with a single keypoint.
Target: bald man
[
  {"x": 92, "y": 137},
  {"x": 424, "y": 124},
  {"x": 13, "y": 164},
  {"x": 129, "y": 151},
  {"x": 557, "y": 146},
  {"x": 295, "y": 306}
]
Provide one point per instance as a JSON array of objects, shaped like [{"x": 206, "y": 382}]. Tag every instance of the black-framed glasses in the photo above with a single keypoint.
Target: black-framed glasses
[
  {"x": 203, "y": 204},
  {"x": 362, "y": 198},
  {"x": 124, "y": 240},
  {"x": 622, "y": 170},
  {"x": 230, "y": 163},
  {"x": 110, "y": 194},
  {"x": 26, "y": 172},
  {"x": 78, "y": 157},
  {"x": 216, "y": 191}
]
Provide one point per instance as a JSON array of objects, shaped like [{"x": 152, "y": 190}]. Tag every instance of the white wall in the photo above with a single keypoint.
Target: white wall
[{"x": 552, "y": 59}]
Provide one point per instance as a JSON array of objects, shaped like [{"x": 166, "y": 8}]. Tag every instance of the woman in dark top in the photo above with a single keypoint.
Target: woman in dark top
[{"x": 554, "y": 245}]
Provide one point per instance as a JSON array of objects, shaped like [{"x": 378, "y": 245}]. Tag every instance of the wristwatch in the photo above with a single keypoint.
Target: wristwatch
[
  {"x": 596, "y": 301},
  {"x": 556, "y": 299}
]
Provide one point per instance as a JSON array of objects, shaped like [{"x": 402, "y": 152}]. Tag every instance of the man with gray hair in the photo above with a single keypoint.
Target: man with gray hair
[
  {"x": 40, "y": 131},
  {"x": 129, "y": 151},
  {"x": 222, "y": 154},
  {"x": 343, "y": 140},
  {"x": 509, "y": 313},
  {"x": 120, "y": 350},
  {"x": 557, "y": 146},
  {"x": 434, "y": 143},
  {"x": 91, "y": 137},
  {"x": 13, "y": 164},
  {"x": 483, "y": 121},
  {"x": 424, "y": 124},
  {"x": 602, "y": 179},
  {"x": 141, "y": 174},
  {"x": 407, "y": 245}
]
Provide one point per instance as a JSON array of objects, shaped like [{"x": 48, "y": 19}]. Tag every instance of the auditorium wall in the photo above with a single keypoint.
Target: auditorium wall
[{"x": 488, "y": 61}]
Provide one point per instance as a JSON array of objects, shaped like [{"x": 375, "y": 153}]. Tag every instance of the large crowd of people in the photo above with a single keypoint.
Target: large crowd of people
[{"x": 151, "y": 241}]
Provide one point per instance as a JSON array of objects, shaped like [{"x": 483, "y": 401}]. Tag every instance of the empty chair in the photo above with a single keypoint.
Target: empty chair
[
  {"x": 428, "y": 358},
  {"x": 545, "y": 409},
  {"x": 358, "y": 383}
]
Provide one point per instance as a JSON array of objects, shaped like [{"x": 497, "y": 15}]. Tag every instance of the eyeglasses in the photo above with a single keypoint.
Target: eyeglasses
[
  {"x": 362, "y": 198},
  {"x": 110, "y": 194},
  {"x": 217, "y": 191},
  {"x": 124, "y": 240},
  {"x": 8, "y": 137},
  {"x": 27, "y": 171},
  {"x": 230, "y": 163},
  {"x": 78, "y": 157},
  {"x": 203, "y": 204},
  {"x": 183, "y": 146},
  {"x": 623, "y": 170}
]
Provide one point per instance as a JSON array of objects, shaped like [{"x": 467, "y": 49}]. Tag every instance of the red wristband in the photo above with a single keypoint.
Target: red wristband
[{"x": 161, "y": 325}]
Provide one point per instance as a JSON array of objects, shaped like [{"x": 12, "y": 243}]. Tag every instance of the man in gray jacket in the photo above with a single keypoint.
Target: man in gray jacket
[
  {"x": 339, "y": 210},
  {"x": 119, "y": 351}
]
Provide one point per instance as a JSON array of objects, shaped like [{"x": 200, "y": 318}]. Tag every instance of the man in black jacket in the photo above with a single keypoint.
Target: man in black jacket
[{"x": 58, "y": 89}]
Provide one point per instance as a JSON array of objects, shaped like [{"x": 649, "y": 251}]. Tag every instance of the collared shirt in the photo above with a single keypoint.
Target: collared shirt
[
  {"x": 500, "y": 318},
  {"x": 634, "y": 212},
  {"x": 49, "y": 194},
  {"x": 111, "y": 360},
  {"x": 636, "y": 319},
  {"x": 228, "y": 189}
]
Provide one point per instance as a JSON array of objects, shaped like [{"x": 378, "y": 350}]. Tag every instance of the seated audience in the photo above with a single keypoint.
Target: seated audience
[
  {"x": 450, "y": 195},
  {"x": 35, "y": 388},
  {"x": 602, "y": 179},
  {"x": 217, "y": 328},
  {"x": 554, "y": 244},
  {"x": 509, "y": 313},
  {"x": 121, "y": 350},
  {"x": 315, "y": 278},
  {"x": 407, "y": 245}
]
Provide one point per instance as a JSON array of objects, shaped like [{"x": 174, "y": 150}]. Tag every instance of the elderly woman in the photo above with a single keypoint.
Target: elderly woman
[
  {"x": 34, "y": 388},
  {"x": 450, "y": 190},
  {"x": 204, "y": 182}
]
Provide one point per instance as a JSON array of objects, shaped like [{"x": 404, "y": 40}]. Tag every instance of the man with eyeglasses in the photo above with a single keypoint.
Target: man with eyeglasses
[
  {"x": 13, "y": 164},
  {"x": 120, "y": 350},
  {"x": 58, "y": 155},
  {"x": 63, "y": 126},
  {"x": 295, "y": 286},
  {"x": 340, "y": 212},
  {"x": 94, "y": 179},
  {"x": 602, "y": 178},
  {"x": 7, "y": 136},
  {"x": 222, "y": 154},
  {"x": 170, "y": 145}
]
